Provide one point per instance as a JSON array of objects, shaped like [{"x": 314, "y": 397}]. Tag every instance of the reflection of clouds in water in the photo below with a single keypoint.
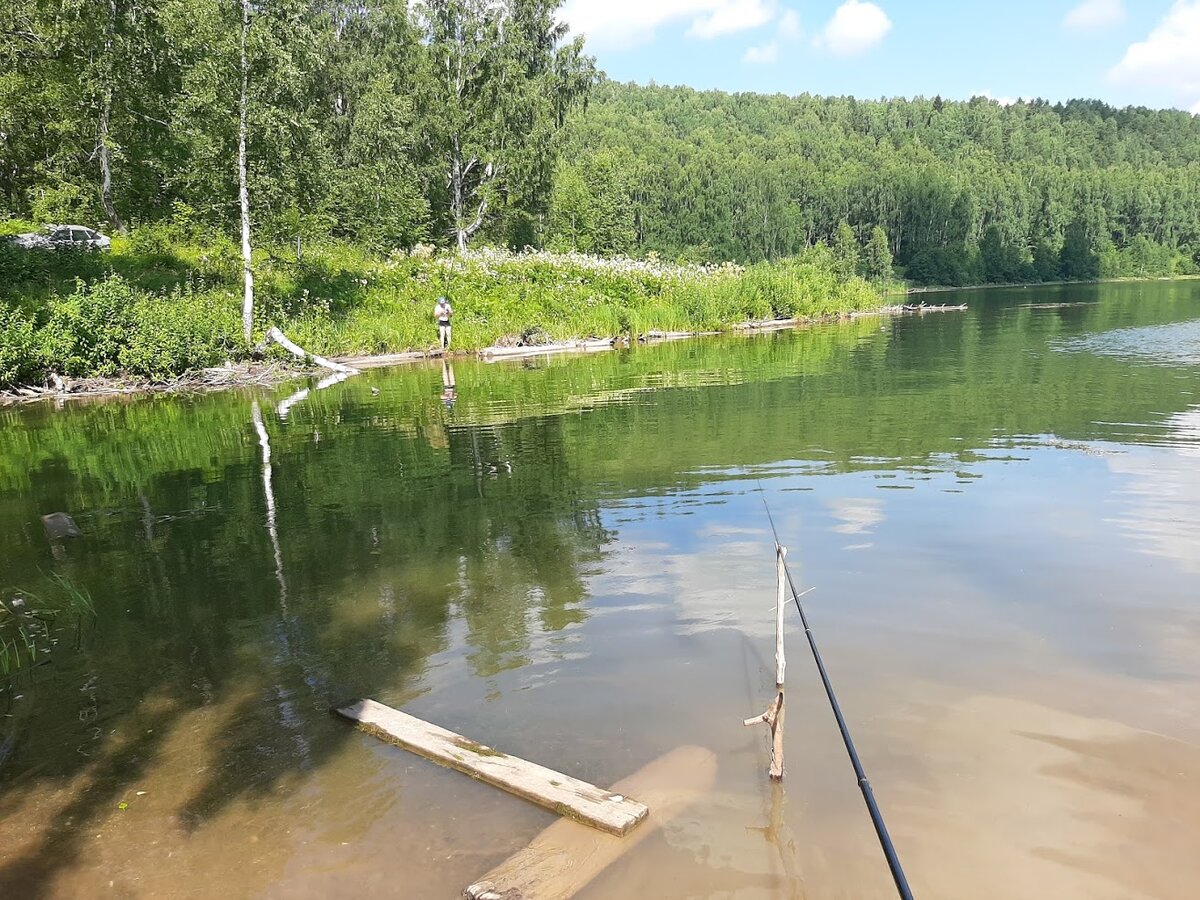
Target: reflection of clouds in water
[
  {"x": 1163, "y": 495},
  {"x": 1162, "y": 513},
  {"x": 729, "y": 584},
  {"x": 858, "y": 515},
  {"x": 718, "y": 529}
]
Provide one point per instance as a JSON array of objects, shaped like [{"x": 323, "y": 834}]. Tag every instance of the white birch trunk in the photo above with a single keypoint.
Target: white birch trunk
[
  {"x": 457, "y": 197},
  {"x": 243, "y": 187},
  {"x": 102, "y": 141}
]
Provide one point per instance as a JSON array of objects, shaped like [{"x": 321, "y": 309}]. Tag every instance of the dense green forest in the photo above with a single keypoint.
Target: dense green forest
[
  {"x": 387, "y": 124},
  {"x": 965, "y": 192},
  {"x": 375, "y": 120}
]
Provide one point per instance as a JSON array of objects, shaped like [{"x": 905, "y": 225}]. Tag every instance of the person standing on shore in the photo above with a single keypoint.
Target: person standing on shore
[{"x": 442, "y": 313}]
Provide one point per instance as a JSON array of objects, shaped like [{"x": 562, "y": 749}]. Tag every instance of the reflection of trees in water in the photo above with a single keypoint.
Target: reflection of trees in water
[{"x": 210, "y": 595}]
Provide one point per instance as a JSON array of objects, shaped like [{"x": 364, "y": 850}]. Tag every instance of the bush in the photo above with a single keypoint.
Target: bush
[
  {"x": 19, "y": 359},
  {"x": 152, "y": 242},
  {"x": 182, "y": 331},
  {"x": 85, "y": 331}
]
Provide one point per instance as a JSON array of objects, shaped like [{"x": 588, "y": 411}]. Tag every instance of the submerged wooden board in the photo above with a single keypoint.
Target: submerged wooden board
[
  {"x": 566, "y": 857},
  {"x": 567, "y": 796}
]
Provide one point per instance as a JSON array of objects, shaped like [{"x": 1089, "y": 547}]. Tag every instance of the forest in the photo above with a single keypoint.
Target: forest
[
  {"x": 455, "y": 121},
  {"x": 450, "y": 121},
  {"x": 965, "y": 192},
  {"x": 373, "y": 121}
]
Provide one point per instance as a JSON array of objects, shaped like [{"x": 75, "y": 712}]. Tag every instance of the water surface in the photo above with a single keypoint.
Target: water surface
[{"x": 569, "y": 559}]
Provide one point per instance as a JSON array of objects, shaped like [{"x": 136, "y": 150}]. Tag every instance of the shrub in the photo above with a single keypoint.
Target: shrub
[
  {"x": 153, "y": 242},
  {"x": 178, "y": 332},
  {"x": 19, "y": 359},
  {"x": 86, "y": 330}
]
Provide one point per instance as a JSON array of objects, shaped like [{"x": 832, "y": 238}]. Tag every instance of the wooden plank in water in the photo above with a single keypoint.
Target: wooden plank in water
[
  {"x": 565, "y": 858},
  {"x": 567, "y": 796}
]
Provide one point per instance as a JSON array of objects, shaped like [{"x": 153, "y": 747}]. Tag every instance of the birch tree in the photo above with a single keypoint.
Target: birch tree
[
  {"x": 248, "y": 116},
  {"x": 502, "y": 79}
]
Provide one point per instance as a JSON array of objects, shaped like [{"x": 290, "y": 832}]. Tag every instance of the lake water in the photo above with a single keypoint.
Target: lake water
[{"x": 999, "y": 510}]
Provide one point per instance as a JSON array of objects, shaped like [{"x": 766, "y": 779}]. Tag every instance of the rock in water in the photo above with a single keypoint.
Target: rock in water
[{"x": 60, "y": 525}]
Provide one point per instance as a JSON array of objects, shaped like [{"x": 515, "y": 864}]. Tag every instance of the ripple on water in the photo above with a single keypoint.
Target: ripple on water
[{"x": 1173, "y": 344}]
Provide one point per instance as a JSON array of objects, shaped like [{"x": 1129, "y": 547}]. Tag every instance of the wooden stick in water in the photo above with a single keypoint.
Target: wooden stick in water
[{"x": 773, "y": 717}]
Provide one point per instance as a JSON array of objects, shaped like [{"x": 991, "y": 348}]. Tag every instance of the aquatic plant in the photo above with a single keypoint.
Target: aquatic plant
[{"x": 29, "y": 622}]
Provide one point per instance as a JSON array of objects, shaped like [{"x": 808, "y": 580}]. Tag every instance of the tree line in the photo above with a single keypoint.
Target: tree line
[
  {"x": 965, "y": 192},
  {"x": 378, "y": 121},
  {"x": 388, "y": 123}
]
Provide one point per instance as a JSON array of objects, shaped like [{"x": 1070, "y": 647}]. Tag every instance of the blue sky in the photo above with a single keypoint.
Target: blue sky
[{"x": 1142, "y": 52}]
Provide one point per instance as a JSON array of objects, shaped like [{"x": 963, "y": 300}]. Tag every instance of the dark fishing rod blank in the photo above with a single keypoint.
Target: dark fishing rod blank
[{"x": 885, "y": 840}]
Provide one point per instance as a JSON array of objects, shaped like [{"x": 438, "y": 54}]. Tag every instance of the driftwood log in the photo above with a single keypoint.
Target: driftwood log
[{"x": 278, "y": 337}]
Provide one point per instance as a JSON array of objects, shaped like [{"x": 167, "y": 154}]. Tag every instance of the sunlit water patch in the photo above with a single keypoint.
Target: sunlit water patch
[{"x": 1172, "y": 344}]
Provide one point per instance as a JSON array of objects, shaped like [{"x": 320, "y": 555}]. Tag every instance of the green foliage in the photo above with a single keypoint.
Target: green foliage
[
  {"x": 845, "y": 250},
  {"x": 1140, "y": 258},
  {"x": 155, "y": 309},
  {"x": 87, "y": 329},
  {"x": 941, "y": 265},
  {"x": 62, "y": 202},
  {"x": 876, "y": 260},
  {"x": 19, "y": 361},
  {"x": 109, "y": 327},
  {"x": 1046, "y": 261},
  {"x": 1077, "y": 259},
  {"x": 1002, "y": 262},
  {"x": 180, "y": 332},
  {"x": 760, "y": 177},
  {"x": 590, "y": 208},
  {"x": 390, "y": 124}
]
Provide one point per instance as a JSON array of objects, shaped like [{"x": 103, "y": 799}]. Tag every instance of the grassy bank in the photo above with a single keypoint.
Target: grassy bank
[{"x": 159, "y": 305}]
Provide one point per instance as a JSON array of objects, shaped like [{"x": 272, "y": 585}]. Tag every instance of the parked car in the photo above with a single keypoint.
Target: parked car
[{"x": 54, "y": 237}]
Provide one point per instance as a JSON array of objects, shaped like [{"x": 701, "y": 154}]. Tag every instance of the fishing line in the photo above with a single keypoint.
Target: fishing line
[{"x": 885, "y": 840}]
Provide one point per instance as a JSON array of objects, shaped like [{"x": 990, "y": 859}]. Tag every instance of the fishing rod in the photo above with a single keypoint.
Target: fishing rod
[{"x": 885, "y": 840}]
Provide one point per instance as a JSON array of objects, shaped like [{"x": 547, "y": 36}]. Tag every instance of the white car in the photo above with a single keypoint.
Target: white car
[{"x": 53, "y": 237}]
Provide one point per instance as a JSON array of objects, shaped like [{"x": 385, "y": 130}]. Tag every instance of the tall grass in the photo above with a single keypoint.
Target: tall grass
[{"x": 158, "y": 305}]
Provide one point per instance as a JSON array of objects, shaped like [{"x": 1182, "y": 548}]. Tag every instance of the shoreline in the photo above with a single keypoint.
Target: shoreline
[
  {"x": 942, "y": 289},
  {"x": 232, "y": 375}
]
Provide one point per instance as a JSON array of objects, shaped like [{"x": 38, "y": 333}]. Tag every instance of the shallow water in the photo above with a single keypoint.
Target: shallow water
[{"x": 999, "y": 510}]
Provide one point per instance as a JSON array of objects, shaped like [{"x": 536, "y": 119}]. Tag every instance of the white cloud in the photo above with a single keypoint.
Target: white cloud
[
  {"x": 1092, "y": 15},
  {"x": 855, "y": 28},
  {"x": 789, "y": 26},
  {"x": 787, "y": 32},
  {"x": 625, "y": 23},
  {"x": 732, "y": 16},
  {"x": 763, "y": 55},
  {"x": 1170, "y": 57},
  {"x": 1003, "y": 101},
  {"x": 1195, "y": 110}
]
